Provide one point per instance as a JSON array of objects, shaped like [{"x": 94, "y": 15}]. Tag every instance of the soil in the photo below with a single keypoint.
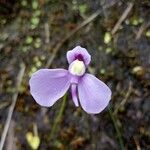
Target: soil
[{"x": 29, "y": 33}]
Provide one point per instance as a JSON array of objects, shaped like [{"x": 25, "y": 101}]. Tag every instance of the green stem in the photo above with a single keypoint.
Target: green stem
[
  {"x": 58, "y": 117},
  {"x": 113, "y": 118}
]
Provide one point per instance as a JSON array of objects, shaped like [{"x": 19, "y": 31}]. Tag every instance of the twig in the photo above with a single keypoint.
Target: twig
[
  {"x": 122, "y": 18},
  {"x": 58, "y": 117},
  {"x": 143, "y": 27},
  {"x": 11, "y": 140},
  {"x": 125, "y": 98},
  {"x": 137, "y": 143},
  {"x": 35, "y": 129},
  {"x": 12, "y": 106},
  {"x": 47, "y": 33},
  {"x": 113, "y": 118},
  {"x": 84, "y": 23}
]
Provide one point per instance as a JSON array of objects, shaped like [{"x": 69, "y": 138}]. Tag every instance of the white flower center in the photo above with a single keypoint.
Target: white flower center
[{"x": 77, "y": 68}]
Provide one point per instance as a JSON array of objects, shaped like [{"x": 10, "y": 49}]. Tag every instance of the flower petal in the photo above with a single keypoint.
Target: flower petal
[
  {"x": 94, "y": 95},
  {"x": 74, "y": 94},
  {"x": 48, "y": 85},
  {"x": 79, "y": 53}
]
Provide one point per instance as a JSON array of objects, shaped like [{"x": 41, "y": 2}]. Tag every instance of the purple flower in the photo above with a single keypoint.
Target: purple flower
[{"x": 49, "y": 85}]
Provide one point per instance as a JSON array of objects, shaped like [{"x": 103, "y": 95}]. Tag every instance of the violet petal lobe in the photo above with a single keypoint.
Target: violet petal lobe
[
  {"x": 48, "y": 85},
  {"x": 94, "y": 95},
  {"x": 74, "y": 94},
  {"x": 79, "y": 53}
]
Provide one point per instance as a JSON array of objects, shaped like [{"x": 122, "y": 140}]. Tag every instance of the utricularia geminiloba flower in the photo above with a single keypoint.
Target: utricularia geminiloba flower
[{"x": 49, "y": 85}]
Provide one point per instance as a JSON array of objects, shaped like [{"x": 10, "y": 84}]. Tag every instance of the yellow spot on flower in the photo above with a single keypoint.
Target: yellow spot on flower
[{"x": 77, "y": 68}]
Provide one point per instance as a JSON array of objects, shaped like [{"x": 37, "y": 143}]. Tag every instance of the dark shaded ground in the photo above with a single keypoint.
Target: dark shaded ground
[{"x": 122, "y": 60}]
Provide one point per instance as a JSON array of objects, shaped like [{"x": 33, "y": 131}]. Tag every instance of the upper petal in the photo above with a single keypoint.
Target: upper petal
[
  {"x": 94, "y": 95},
  {"x": 48, "y": 85},
  {"x": 79, "y": 53}
]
